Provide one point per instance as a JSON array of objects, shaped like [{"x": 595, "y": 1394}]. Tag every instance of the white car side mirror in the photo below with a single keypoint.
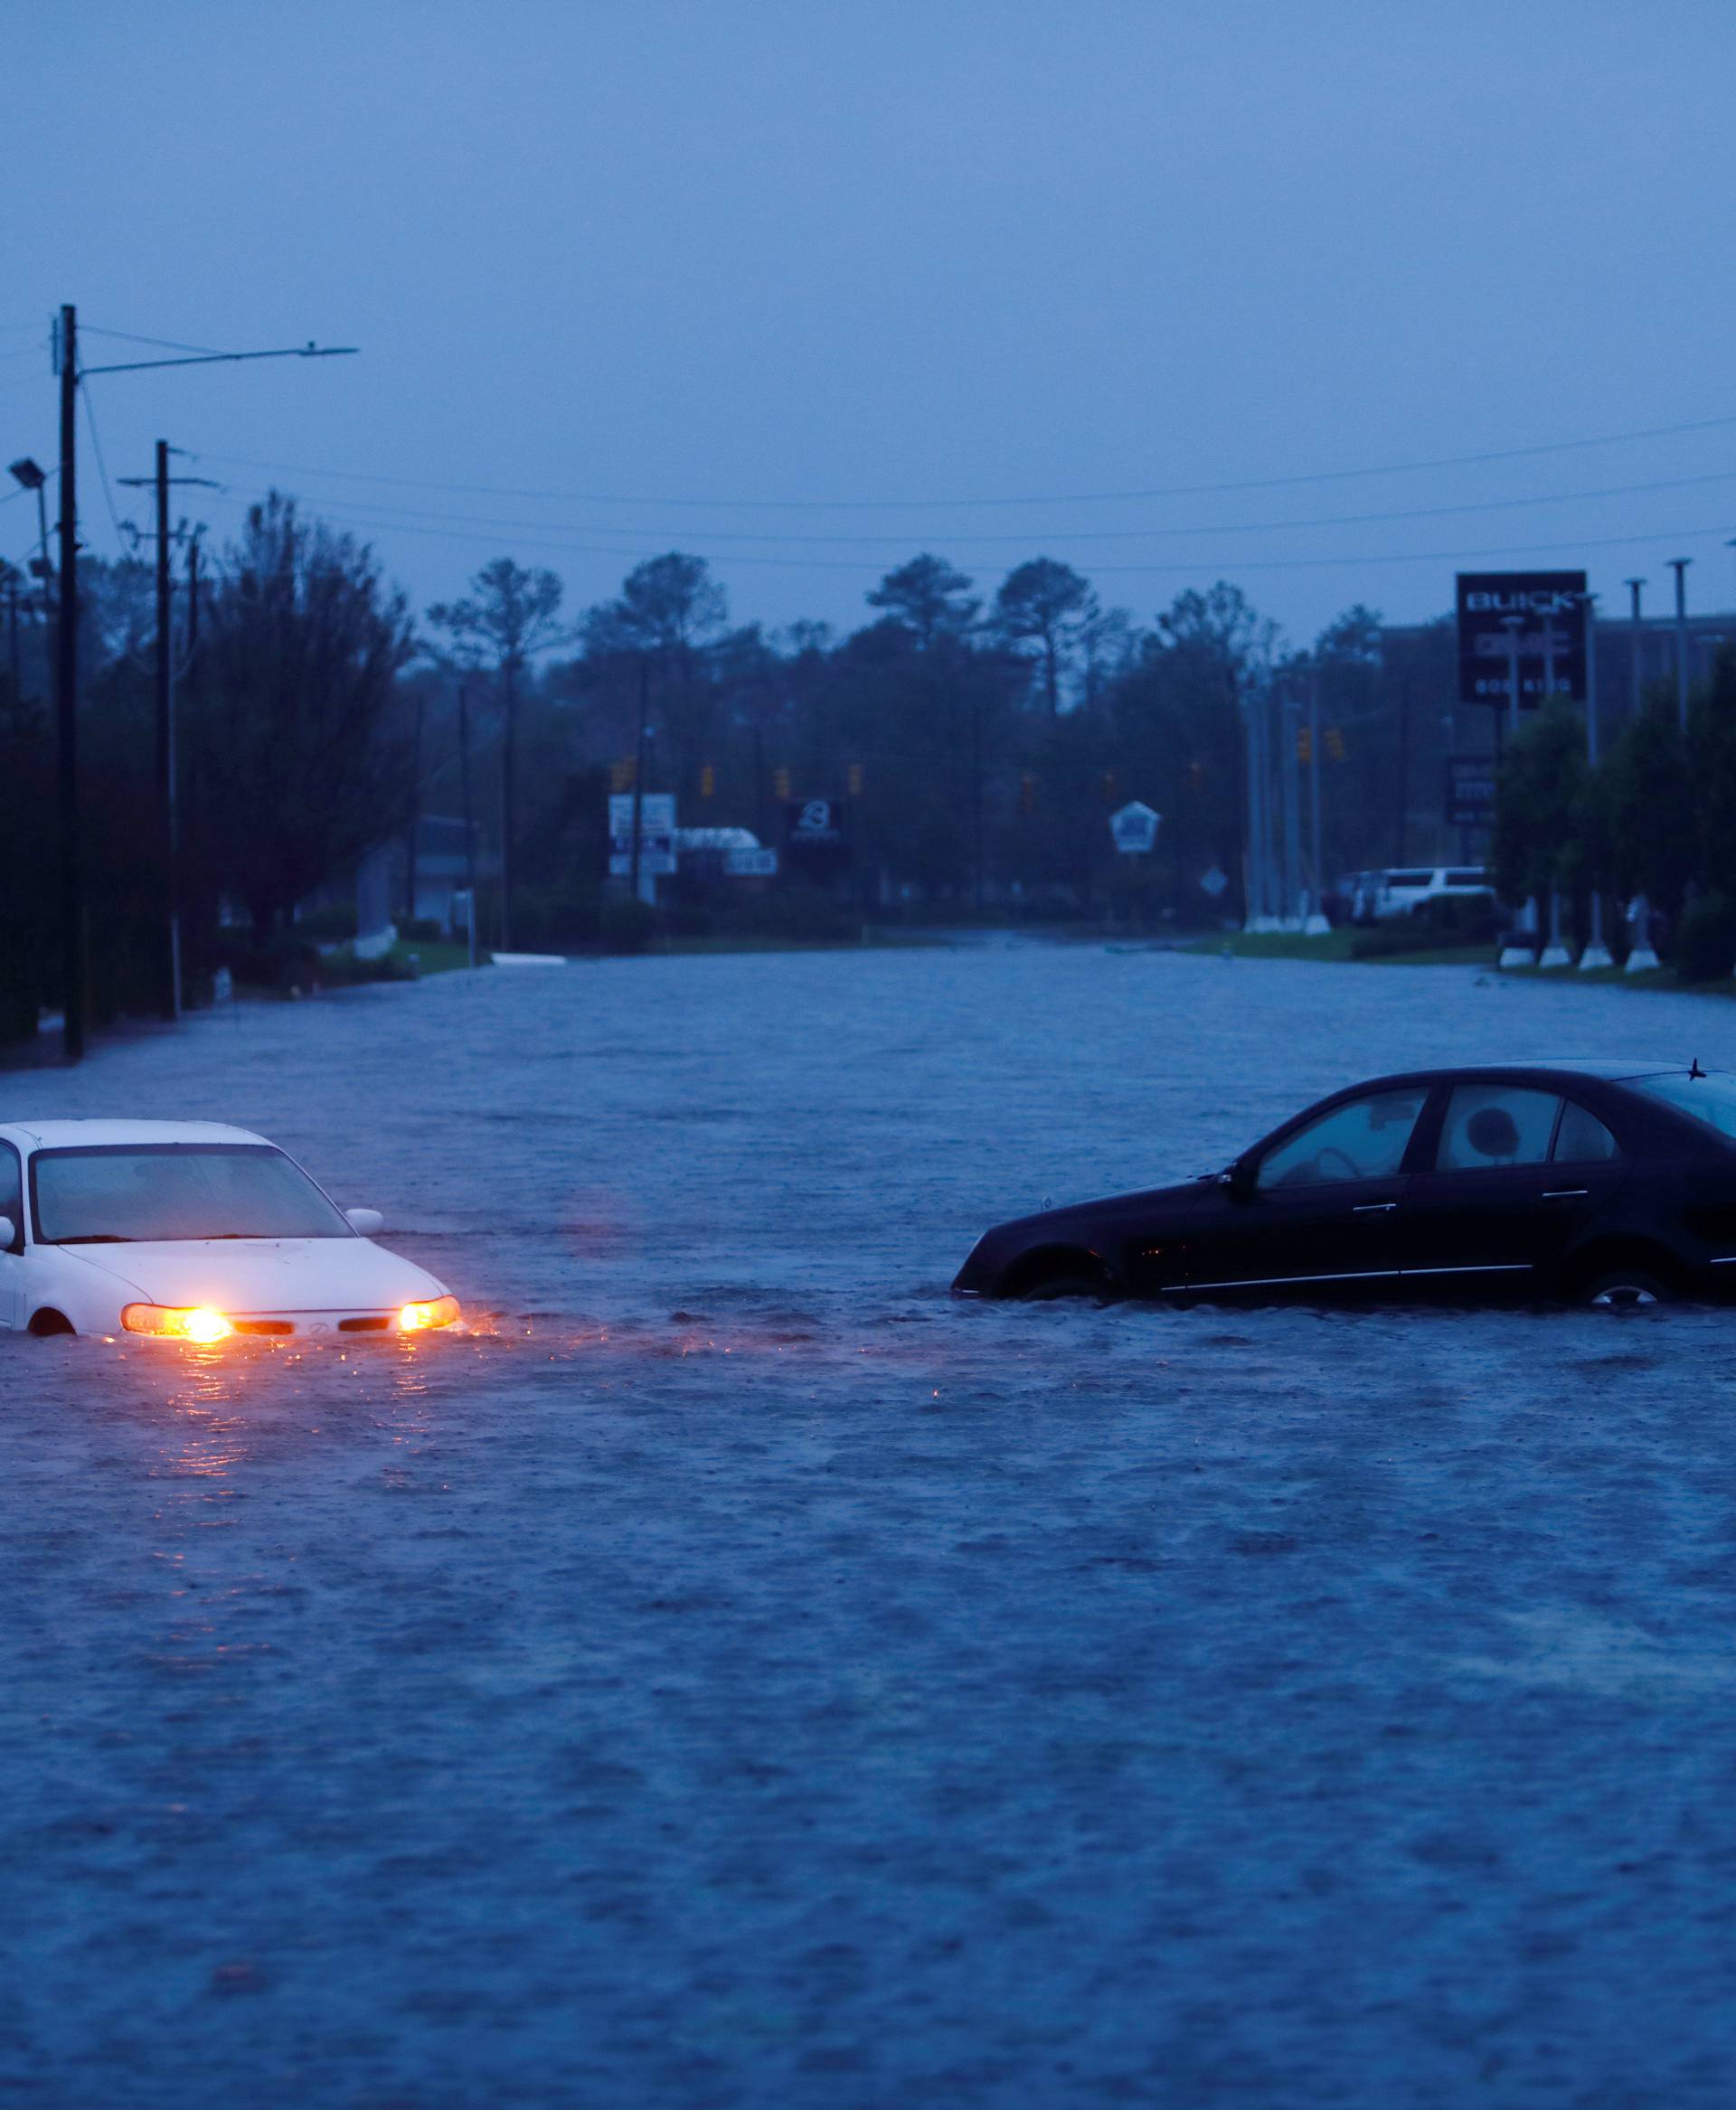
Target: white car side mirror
[
  {"x": 8, "y": 1231},
  {"x": 367, "y": 1222}
]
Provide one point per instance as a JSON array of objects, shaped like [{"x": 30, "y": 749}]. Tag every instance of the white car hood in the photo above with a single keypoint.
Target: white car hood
[{"x": 264, "y": 1274}]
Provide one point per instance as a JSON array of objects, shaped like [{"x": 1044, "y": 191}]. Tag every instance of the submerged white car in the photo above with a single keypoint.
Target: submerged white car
[{"x": 188, "y": 1230}]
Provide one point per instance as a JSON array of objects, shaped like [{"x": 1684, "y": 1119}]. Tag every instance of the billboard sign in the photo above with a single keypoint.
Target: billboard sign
[
  {"x": 657, "y": 834},
  {"x": 818, "y": 834},
  {"x": 750, "y": 863},
  {"x": 1551, "y": 608},
  {"x": 1470, "y": 791}
]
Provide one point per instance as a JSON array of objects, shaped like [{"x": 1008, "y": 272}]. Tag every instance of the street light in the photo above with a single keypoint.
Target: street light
[
  {"x": 1679, "y": 565},
  {"x": 25, "y": 473},
  {"x": 1635, "y": 586}
]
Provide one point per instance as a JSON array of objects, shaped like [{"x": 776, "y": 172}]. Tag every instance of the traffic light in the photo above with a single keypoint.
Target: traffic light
[
  {"x": 855, "y": 779},
  {"x": 1109, "y": 787},
  {"x": 708, "y": 781},
  {"x": 780, "y": 783},
  {"x": 1305, "y": 745},
  {"x": 1197, "y": 777},
  {"x": 1027, "y": 794},
  {"x": 621, "y": 774},
  {"x": 1335, "y": 744}
]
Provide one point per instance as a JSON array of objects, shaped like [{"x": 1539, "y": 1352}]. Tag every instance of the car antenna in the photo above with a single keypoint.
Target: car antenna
[{"x": 1694, "y": 1069}]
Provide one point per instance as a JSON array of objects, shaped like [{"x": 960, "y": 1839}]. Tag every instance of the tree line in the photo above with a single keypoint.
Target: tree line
[
  {"x": 980, "y": 739},
  {"x": 1654, "y": 821}
]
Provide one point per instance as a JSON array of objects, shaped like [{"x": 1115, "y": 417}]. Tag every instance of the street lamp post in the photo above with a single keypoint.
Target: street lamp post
[
  {"x": 1596, "y": 953},
  {"x": 1679, "y": 565},
  {"x": 1635, "y": 586}
]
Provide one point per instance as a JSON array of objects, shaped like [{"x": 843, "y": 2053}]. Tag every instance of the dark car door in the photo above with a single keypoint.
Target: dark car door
[
  {"x": 1314, "y": 1214},
  {"x": 1517, "y": 1173}
]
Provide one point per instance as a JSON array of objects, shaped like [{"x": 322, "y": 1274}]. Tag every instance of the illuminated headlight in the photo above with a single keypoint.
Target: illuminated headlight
[
  {"x": 418, "y": 1318},
  {"x": 196, "y": 1323}
]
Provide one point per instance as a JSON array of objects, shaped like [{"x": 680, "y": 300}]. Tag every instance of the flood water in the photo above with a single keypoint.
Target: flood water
[{"x": 730, "y": 1673}]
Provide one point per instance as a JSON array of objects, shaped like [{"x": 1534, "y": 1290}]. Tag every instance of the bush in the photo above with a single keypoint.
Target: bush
[
  {"x": 331, "y": 924},
  {"x": 627, "y": 924},
  {"x": 421, "y": 930},
  {"x": 551, "y": 919},
  {"x": 1457, "y": 919},
  {"x": 284, "y": 961},
  {"x": 1705, "y": 940}
]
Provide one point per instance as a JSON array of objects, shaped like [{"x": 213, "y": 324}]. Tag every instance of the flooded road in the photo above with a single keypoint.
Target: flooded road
[{"x": 730, "y": 1673}]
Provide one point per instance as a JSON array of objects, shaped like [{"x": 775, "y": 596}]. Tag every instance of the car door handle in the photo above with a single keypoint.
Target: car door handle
[
  {"x": 1565, "y": 1193},
  {"x": 1371, "y": 1208}
]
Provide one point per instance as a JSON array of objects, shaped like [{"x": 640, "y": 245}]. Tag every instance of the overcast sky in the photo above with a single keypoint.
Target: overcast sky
[{"x": 786, "y": 284}]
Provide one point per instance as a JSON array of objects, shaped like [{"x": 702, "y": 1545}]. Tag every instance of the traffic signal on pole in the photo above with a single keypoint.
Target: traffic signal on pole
[
  {"x": 780, "y": 783},
  {"x": 1335, "y": 744},
  {"x": 621, "y": 774},
  {"x": 1109, "y": 785},
  {"x": 1196, "y": 775},
  {"x": 1305, "y": 745},
  {"x": 855, "y": 779},
  {"x": 1027, "y": 794},
  {"x": 708, "y": 781}
]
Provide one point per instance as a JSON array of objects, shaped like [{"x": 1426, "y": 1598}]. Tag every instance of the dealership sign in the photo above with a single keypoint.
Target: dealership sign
[
  {"x": 1549, "y": 607},
  {"x": 1470, "y": 791},
  {"x": 657, "y": 834}
]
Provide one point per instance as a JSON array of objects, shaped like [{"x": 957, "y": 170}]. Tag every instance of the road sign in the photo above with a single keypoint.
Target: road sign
[
  {"x": 1552, "y": 611},
  {"x": 818, "y": 836},
  {"x": 657, "y": 834},
  {"x": 1470, "y": 791},
  {"x": 657, "y": 815},
  {"x": 750, "y": 863},
  {"x": 1134, "y": 828},
  {"x": 1214, "y": 882}
]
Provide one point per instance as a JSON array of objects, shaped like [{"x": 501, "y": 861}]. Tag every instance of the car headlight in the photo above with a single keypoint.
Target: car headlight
[
  {"x": 419, "y": 1318},
  {"x": 182, "y": 1323}
]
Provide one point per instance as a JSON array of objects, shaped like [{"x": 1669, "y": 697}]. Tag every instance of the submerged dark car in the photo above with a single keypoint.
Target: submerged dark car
[{"x": 1610, "y": 1183}]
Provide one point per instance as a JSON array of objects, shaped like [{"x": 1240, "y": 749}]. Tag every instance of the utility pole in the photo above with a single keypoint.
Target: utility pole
[
  {"x": 1679, "y": 565},
  {"x": 1635, "y": 586},
  {"x": 976, "y": 791},
  {"x": 66, "y": 699},
  {"x": 73, "y": 918},
  {"x": 415, "y": 828},
  {"x": 469, "y": 835},
  {"x": 1289, "y": 722},
  {"x": 1596, "y": 953},
  {"x": 169, "y": 962},
  {"x": 1314, "y": 796},
  {"x": 639, "y": 771},
  {"x": 12, "y": 635}
]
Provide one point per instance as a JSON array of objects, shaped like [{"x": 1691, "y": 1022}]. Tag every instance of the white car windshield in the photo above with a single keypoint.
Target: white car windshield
[{"x": 129, "y": 1193}]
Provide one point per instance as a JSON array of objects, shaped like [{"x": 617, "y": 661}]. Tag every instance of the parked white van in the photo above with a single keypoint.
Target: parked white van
[{"x": 1401, "y": 889}]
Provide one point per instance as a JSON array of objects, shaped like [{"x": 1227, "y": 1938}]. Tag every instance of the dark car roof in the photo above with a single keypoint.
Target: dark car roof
[{"x": 1604, "y": 1068}]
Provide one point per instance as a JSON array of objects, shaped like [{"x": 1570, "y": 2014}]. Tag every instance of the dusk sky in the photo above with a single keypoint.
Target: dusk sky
[{"x": 788, "y": 284}]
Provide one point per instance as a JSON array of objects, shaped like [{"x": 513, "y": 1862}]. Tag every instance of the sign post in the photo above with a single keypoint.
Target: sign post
[{"x": 656, "y": 838}]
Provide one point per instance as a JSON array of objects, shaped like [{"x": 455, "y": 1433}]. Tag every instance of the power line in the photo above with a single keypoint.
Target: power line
[
  {"x": 102, "y": 467},
  {"x": 1222, "y": 566},
  {"x": 162, "y": 343},
  {"x": 669, "y": 536},
  {"x": 1073, "y": 498}
]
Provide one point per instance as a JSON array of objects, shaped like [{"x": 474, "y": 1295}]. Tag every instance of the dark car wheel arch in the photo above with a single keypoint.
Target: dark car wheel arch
[
  {"x": 1633, "y": 1262},
  {"x": 1057, "y": 1271}
]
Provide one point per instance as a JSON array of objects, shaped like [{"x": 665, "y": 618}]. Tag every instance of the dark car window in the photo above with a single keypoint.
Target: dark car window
[
  {"x": 1711, "y": 1100},
  {"x": 1362, "y": 1139},
  {"x": 1490, "y": 1126},
  {"x": 1582, "y": 1139},
  {"x": 12, "y": 1195}
]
